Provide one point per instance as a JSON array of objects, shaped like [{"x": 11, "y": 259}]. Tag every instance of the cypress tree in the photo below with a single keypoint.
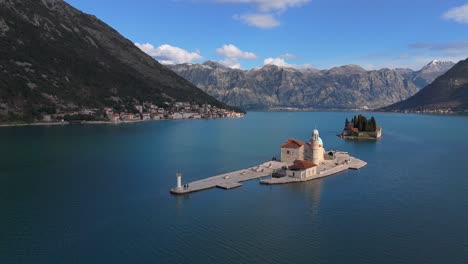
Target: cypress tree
[
  {"x": 369, "y": 127},
  {"x": 374, "y": 124},
  {"x": 360, "y": 123}
]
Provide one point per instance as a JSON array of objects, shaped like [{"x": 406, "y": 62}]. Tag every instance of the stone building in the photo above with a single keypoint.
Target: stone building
[
  {"x": 302, "y": 169},
  {"x": 312, "y": 151},
  {"x": 292, "y": 150}
]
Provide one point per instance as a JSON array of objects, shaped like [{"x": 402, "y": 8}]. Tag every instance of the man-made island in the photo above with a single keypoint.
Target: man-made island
[
  {"x": 299, "y": 162},
  {"x": 361, "y": 128}
]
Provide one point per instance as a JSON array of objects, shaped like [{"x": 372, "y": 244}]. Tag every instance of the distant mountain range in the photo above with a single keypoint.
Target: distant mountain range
[
  {"x": 346, "y": 87},
  {"x": 449, "y": 91},
  {"x": 55, "y": 59},
  {"x": 428, "y": 73}
]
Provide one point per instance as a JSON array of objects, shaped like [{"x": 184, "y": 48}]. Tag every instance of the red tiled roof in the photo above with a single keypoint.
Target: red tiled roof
[
  {"x": 301, "y": 165},
  {"x": 292, "y": 143}
]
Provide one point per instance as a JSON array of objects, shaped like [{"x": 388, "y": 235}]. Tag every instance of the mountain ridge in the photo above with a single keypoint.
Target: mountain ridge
[
  {"x": 448, "y": 92},
  {"x": 272, "y": 87}
]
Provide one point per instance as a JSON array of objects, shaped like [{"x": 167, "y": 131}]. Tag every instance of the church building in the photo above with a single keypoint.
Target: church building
[
  {"x": 305, "y": 157},
  {"x": 292, "y": 150}
]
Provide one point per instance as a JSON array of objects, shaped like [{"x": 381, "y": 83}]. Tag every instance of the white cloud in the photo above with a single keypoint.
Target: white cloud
[
  {"x": 268, "y": 5},
  {"x": 259, "y": 20},
  {"x": 167, "y": 54},
  {"x": 232, "y": 54},
  {"x": 277, "y": 61},
  {"x": 267, "y": 11},
  {"x": 231, "y": 51},
  {"x": 458, "y": 14},
  {"x": 231, "y": 63},
  {"x": 281, "y": 62}
]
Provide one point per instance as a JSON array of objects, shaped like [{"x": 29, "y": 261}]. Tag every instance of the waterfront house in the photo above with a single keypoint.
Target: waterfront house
[
  {"x": 158, "y": 116},
  {"x": 127, "y": 117},
  {"x": 146, "y": 116},
  {"x": 302, "y": 169},
  {"x": 115, "y": 118},
  {"x": 176, "y": 116}
]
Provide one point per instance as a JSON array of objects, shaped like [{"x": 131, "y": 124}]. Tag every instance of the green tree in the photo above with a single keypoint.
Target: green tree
[{"x": 374, "y": 124}]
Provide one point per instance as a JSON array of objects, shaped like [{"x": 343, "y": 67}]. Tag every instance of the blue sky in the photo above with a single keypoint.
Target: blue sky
[{"x": 297, "y": 33}]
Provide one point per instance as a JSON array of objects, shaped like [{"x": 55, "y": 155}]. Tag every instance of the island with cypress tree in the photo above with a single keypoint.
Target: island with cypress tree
[{"x": 361, "y": 128}]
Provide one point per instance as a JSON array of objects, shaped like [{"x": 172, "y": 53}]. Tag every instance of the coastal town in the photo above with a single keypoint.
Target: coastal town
[{"x": 143, "y": 112}]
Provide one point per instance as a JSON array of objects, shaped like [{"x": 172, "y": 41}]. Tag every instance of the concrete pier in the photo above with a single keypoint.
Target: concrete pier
[{"x": 231, "y": 180}]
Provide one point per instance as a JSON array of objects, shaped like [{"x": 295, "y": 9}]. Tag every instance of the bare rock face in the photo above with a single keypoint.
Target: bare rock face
[
  {"x": 272, "y": 87},
  {"x": 430, "y": 72},
  {"x": 54, "y": 58},
  {"x": 449, "y": 91}
]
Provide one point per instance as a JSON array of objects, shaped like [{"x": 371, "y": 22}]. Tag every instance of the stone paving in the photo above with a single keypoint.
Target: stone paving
[{"x": 232, "y": 179}]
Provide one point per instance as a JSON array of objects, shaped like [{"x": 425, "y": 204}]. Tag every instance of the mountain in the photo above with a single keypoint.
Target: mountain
[
  {"x": 430, "y": 72},
  {"x": 449, "y": 91},
  {"x": 273, "y": 87},
  {"x": 56, "y": 59}
]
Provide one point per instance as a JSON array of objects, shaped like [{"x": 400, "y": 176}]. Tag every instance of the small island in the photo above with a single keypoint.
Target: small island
[
  {"x": 361, "y": 128},
  {"x": 300, "y": 162}
]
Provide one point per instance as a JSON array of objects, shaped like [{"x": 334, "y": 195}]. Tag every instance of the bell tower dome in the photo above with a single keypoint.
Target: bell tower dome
[
  {"x": 317, "y": 148},
  {"x": 315, "y": 135}
]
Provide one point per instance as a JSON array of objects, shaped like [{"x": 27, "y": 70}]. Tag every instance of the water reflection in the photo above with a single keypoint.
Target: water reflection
[
  {"x": 311, "y": 190},
  {"x": 180, "y": 199}
]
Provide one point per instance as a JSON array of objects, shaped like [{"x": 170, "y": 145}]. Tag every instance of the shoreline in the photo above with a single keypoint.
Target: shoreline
[
  {"x": 358, "y": 138},
  {"x": 66, "y": 123},
  {"x": 458, "y": 113}
]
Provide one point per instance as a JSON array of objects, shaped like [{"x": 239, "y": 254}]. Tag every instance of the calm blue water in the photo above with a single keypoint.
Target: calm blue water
[{"x": 100, "y": 193}]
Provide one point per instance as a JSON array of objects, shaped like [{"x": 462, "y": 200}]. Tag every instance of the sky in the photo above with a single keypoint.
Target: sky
[{"x": 318, "y": 34}]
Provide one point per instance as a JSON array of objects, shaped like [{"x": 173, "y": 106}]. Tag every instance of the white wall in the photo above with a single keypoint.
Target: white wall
[{"x": 311, "y": 172}]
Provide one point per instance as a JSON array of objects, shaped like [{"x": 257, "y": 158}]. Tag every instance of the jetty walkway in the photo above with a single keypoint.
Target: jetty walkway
[{"x": 232, "y": 179}]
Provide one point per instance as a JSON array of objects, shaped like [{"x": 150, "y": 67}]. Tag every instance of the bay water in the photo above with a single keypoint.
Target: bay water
[{"x": 100, "y": 193}]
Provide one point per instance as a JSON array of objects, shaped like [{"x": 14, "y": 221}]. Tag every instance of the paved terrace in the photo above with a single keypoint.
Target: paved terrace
[{"x": 232, "y": 179}]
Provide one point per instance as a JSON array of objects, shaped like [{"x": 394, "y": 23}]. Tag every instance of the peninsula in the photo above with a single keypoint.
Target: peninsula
[
  {"x": 299, "y": 162},
  {"x": 361, "y": 128}
]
